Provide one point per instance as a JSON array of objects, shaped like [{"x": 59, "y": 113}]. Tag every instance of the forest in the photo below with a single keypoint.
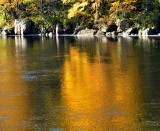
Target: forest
[{"x": 47, "y": 13}]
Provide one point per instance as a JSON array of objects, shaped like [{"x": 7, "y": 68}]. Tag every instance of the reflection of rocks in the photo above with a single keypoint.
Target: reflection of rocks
[{"x": 23, "y": 27}]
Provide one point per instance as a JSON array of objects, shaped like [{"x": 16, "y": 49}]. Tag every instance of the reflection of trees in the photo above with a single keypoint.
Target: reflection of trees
[
  {"x": 13, "y": 98},
  {"x": 76, "y": 83},
  {"x": 90, "y": 86}
]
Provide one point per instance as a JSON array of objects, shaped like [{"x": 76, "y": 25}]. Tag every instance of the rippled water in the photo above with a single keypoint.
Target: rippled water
[{"x": 79, "y": 84}]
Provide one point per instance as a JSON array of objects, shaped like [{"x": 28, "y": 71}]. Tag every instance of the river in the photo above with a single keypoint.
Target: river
[{"x": 79, "y": 84}]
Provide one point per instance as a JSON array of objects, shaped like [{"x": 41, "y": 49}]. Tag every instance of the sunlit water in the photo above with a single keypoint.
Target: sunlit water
[{"x": 79, "y": 84}]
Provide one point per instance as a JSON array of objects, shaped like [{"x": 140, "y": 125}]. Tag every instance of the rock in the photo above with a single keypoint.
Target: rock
[
  {"x": 50, "y": 34},
  {"x": 100, "y": 33},
  {"x": 78, "y": 28},
  {"x": 87, "y": 32},
  {"x": 7, "y": 31},
  {"x": 134, "y": 31},
  {"x": 153, "y": 31},
  {"x": 140, "y": 32},
  {"x": 59, "y": 29},
  {"x": 69, "y": 29},
  {"x": 123, "y": 25},
  {"x": 111, "y": 34},
  {"x": 111, "y": 28},
  {"x": 130, "y": 31},
  {"x": 145, "y": 32},
  {"x": 23, "y": 27},
  {"x": 46, "y": 34},
  {"x": 103, "y": 27}
]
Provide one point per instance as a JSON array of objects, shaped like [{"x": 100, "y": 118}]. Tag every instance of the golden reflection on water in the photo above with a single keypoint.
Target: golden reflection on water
[
  {"x": 13, "y": 98},
  {"x": 99, "y": 97},
  {"x": 92, "y": 85}
]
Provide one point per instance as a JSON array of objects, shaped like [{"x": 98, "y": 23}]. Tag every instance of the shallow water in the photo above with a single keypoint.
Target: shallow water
[{"x": 79, "y": 84}]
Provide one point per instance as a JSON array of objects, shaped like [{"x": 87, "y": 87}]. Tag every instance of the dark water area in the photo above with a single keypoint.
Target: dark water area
[{"x": 79, "y": 84}]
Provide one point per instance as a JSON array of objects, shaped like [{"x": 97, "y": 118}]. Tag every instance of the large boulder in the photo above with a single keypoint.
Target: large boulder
[
  {"x": 87, "y": 32},
  {"x": 123, "y": 25},
  {"x": 134, "y": 31},
  {"x": 23, "y": 27},
  {"x": 69, "y": 29},
  {"x": 149, "y": 31},
  {"x": 112, "y": 27},
  {"x": 131, "y": 31}
]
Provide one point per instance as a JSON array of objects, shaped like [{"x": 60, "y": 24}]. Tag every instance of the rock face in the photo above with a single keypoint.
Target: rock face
[
  {"x": 123, "y": 25},
  {"x": 134, "y": 31},
  {"x": 23, "y": 27},
  {"x": 148, "y": 31},
  {"x": 69, "y": 29},
  {"x": 7, "y": 31},
  {"x": 87, "y": 32},
  {"x": 131, "y": 31},
  {"x": 111, "y": 28}
]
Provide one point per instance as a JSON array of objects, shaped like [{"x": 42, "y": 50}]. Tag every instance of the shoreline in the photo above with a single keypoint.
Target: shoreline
[{"x": 70, "y": 35}]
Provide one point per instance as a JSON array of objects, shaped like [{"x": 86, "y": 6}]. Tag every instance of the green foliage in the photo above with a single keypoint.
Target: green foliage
[
  {"x": 150, "y": 19},
  {"x": 83, "y": 12}
]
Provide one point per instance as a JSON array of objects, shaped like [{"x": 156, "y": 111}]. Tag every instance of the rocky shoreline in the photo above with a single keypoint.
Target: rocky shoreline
[{"x": 27, "y": 28}]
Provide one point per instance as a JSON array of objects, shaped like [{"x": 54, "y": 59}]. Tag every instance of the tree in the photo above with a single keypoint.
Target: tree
[
  {"x": 122, "y": 6},
  {"x": 92, "y": 10},
  {"x": 10, "y": 7}
]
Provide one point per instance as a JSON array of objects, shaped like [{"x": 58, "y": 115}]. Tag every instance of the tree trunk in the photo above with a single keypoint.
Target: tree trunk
[
  {"x": 13, "y": 14},
  {"x": 146, "y": 6},
  {"x": 41, "y": 8}
]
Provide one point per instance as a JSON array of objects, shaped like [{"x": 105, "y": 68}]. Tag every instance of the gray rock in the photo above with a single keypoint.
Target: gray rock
[
  {"x": 87, "y": 32},
  {"x": 123, "y": 25}
]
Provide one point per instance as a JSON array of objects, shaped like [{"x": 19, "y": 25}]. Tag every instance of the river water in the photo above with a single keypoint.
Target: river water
[{"x": 79, "y": 84}]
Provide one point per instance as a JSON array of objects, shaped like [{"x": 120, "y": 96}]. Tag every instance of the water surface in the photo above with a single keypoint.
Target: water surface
[{"x": 79, "y": 84}]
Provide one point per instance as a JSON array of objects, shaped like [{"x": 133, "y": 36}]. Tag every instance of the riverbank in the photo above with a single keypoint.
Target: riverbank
[{"x": 28, "y": 28}]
